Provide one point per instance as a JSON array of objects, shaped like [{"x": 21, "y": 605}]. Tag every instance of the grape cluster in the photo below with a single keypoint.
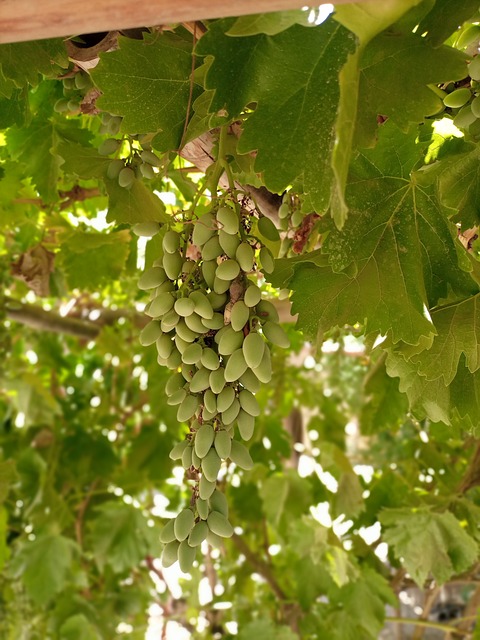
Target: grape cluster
[
  {"x": 464, "y": 102},
  {"x": 74, "y": 89},
  {"x": 212, "y": 329},
  {"x": 139, "y": 164}
]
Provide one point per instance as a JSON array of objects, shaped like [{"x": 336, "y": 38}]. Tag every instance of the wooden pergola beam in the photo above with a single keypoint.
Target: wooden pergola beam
[{"x": 22, "y": 20}]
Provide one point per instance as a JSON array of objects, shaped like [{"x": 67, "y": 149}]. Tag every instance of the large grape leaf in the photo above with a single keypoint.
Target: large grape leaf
[
  {"x": 292, "y": 78},
  {"x": 458, "y": 332},
  {"x": 148, "y": 83},
  {"x": 135, "y": 204},
  {"x": 120, "y": 536},
  {"x": 395, "y": 71},
  {"x": 89, "y": 259},
  {"x": 366, "y": 20},
  {"x": 428, "y": 543},
  {"x": 269, "y": 23},
  {"x": 457, "y": 405},
  {"x": 45, "y": 565},
  {"x": 445, "y": 17},
  {"x": 23, "y": 62}
]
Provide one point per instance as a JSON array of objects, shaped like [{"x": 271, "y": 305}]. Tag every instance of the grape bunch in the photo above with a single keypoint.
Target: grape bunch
[
  {"x": 75, "y": 85},
  {"x": 139, "y": 164},
  {"x": 212, "y": 328}
]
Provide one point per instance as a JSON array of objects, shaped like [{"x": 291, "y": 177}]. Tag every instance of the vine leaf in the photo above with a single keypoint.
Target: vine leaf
[
  {"x": 45, "y": 566},
  {"x": 89, "y": 259},
  {"x": 388, "y": 86},
  {"x": 120, "y": 537},
  {"x": 147, "y": 82},
  {"x": 458, "y": 332},
  {"x": 25, "y": 62},
  {"x": 292, "y": 78},
  {"x": 136, "y": 204},
  {"x": 429, "y": 543}
]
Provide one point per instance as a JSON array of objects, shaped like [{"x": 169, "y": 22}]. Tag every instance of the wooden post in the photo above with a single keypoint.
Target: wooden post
[{"x": 22, "y": 20}]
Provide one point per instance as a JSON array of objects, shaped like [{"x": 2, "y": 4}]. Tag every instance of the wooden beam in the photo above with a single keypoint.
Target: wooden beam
[{"x": 22, "y": 20}]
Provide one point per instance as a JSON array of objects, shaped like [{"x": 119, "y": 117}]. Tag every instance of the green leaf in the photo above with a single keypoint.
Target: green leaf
[
  {"x": 147, "y": 82},
  {"x": 120, "y": 537},
  {"x": 266, "y": 630},
  {"x": 34, "y": 147},
  {"x": 293, "y": 78},
  {"x": 268, "y": 23},
  {"x": 365, "y": 600},
  {"x": 445, "y": 17},
  {"x": 389, "y": 88},
  {"x": 458, "y": 332},
  {"x": 45, "y": 566},
  {"x": 429, "y": 543},
  {"x": 393, "y": 280},
  {"x": 384, "y": 406},
  {"x": 458, "y": 183},
  {"x": 368, "y": 18},
  {"x": 23, "y": 62},
  {"x": 89, "y": 259},
  {"x": 285, "y": 497},
  {"x": 78, "y": 627},
  {"x": 8, "y": 475},
  {"x": 13, "y": 110},
  {"x": 4, "y": 546},
  {"x": 136, "y": 204},
  {"x": 84, "y": 162}
]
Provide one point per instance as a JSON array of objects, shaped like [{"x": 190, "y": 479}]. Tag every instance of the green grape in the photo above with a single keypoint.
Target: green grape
[
  {"x": 203, "y": 440},
  {"x": 228, "y": 270},
  {"x": 228, "y": 220},
  {"x": 268, "y": 230},
  {"x": 275, "y": 334},
  {"x": 457, "y": 98},
  {"x": 198, "y": 534},
  {"x": 147, "y": 171},
  {"x": 186, "y": 556},
  {"x": 167, "y": 534},
  {"x": 183, "y": 524},
  {"x": 239, "y": 315},
  {"x": 126, "y": 177},
  {"x": 109, "y": 146},
  {"x": 218, "y": 523}
]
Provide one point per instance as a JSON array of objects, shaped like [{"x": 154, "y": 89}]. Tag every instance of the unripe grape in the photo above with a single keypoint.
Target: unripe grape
[
  {"x": 245, "y": 424},
  {"x": 204, "y": 439},
  {"x": 211, "y": 464},
  {"x": 147, "y": 171},
  {"x": 283, "y": 211},
  {"x": 160, "y": 305},
  {"x": 236, "y": 366},
  {"x": 183, "y": 524},
  {"x": 228, "y": 220},
  {"x": 216, "y": 380},
  {"x": 170, "y": 554},
  {"x": 253, "y": 347},
  {"x": 199, "y": 533},
  {"x": 204, "y": 229},
  {"x": 230, "y": 341},
  {"x": 212, "y": 249},
  {"x": 266, "y": 259},
  {"x": 167, "y": 534},
  {"x": 275, "y": 334},
  {"x": 239, "y": 315},
  {"x": 218, "y": 523},
  {"x": 150, "y": 333},
  {"x": 146, "y": 229},
  {"x": 151, "y": 278},
  {"x": 114, "y": 168},
  {"x": 188, "y": 408},
  {"x": 223, "y": 444},
  {"x": 210, "y": 359},
  {"x": 457, "y": 98},
  {"x": 205, "y": 487},
  {"x": 177, "y": 398},
  {"x": 195, "y": 323},
  {"x": 171, "y": 241},
  {"x": 252, "y": 296},
  {"x": 231, "y": 413},
  {"x": 192, "y": 353},
  {"x": 228, "y": 243},
  {"x": 202, "y": 305},
  {"x": 109, "y": 146},
  {"x": 150, "y": 157},
  {"x": 184, "y": 306},
  {"x": 241, "y": 456},
  {"x": 172, "y": 263},
  {"x": 268, "y": 230},
  {"x": 474, "y": 68},
  {"x": 225, "y": 398},
  {"x": 221, "y": 286},
  {"x": 126, "y": 177},
  {"x": 245, "y": 256},
  {"x": 228, "y": 270},
  {"x": 177, "y": 452},
  {"x": 202, "y": 508},
  {"x": 200, "y": 381},
  {"x": 218, "y": 502},
  {"x": 186, "y": 556}
]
